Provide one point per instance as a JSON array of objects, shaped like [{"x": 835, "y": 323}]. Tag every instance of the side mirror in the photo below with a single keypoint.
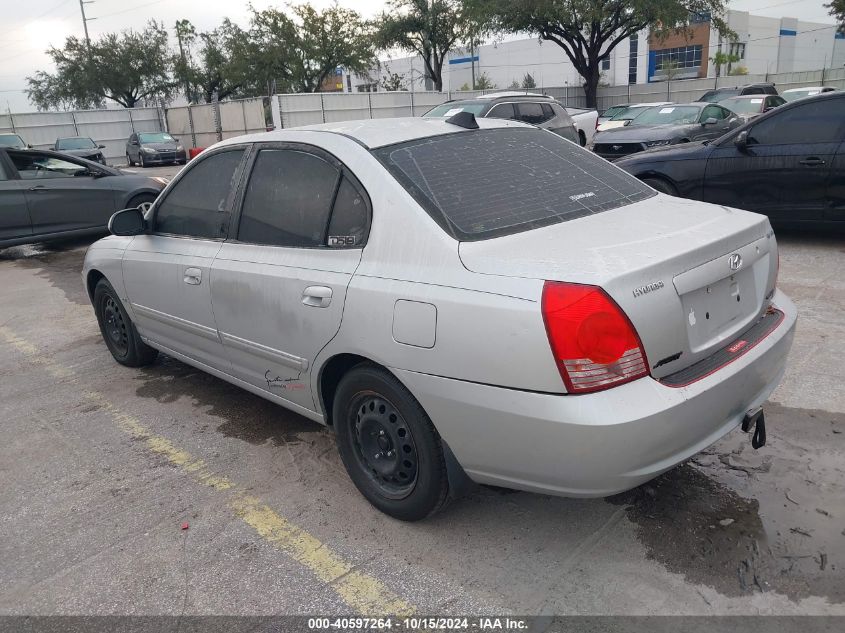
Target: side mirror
[
  {"x": 710, "y": 121},
  {"x": 101, "y": 147},
  {"x": 127, "y": 222},
  {"x": 741, "y": 140}
]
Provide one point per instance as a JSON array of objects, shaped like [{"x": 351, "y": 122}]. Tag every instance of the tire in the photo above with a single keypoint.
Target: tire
[
  {"x": 661, "y": 185},
  {"x": 141, "y": 161},
  {"x": 129, "y": 160},
  {"x": 390, "y": 448},
  {"x": 582, "y": 138},
  {"x": 118, "y": 331}
]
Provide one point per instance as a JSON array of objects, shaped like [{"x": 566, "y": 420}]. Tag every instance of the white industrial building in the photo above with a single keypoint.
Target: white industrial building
[{"x": 764, "y": 45}]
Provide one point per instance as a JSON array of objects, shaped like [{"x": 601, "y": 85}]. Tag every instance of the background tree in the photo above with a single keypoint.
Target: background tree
[
  {"x": 720, "y": 59},
  {"x": 429, "y": 28},
  {"x": 528, "y": 82},
  {"x": 837, "y": 10},
  {"x": 129, "y": 67},
  {"x": 588, "y": 30},
  {"x": 393, "y": 82},
  {"x": 183, "y": 67},
  {"x": 483, "y": 82}
]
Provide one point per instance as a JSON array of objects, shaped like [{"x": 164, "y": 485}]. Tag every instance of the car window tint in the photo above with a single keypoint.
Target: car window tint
[
  {"x": 497, "y": 181},
  {"x": 288, "y": 199},
  {"x": 3, "y": 175},
  {"x": 348, "y": 226},
  {"x": 199, "y": 203},
  {"x": 819, "y": 122},
  {"x": 502, "y": 111},
  {"x": 34, "y": 166},
  {"x": 531, "y": 113},
  {"x": 548, "y": 113}
]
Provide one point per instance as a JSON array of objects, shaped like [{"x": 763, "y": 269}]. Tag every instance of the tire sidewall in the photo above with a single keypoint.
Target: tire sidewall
[{"x": 430, "y": 489}]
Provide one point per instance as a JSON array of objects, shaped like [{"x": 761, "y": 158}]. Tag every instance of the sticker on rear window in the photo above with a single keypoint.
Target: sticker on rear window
[
  {"x": 453, "y": 111},
  {"x": 666, "y": 110},
  {"x": 756, "y": 101}
]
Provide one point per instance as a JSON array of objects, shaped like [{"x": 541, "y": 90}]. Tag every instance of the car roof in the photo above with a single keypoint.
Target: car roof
[
  {"x": 510, "y": 94},
  {"x": 67, "y": 138},
  {"x": 809, "y": 88},
  {"x": 374, "y": 133},
  {"x": 750, "y": 96},
  {"x": 653, "y": 104}
]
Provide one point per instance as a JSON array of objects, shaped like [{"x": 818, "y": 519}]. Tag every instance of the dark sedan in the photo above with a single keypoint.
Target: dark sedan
[
  {"x": 666, "y": 125},
  {"x": 788, "y": 163},
  {"x": 46, "y": 195},
  {"x": 12, "y": 140},
  {"x": 81, "y": 146},
  {"x": 154, "y": 148}
]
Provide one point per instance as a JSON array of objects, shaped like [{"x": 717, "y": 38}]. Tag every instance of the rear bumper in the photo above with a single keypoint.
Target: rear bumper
[{"x": 598, "y": 444}]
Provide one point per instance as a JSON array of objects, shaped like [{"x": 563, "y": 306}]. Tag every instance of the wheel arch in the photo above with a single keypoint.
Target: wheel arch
[{"x": 91, "y": 280}]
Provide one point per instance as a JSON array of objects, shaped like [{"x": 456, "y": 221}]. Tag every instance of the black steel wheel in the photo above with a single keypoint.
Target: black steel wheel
[
  {"x": 118, "y": 331},
  {"x": 388, "y": 444}
]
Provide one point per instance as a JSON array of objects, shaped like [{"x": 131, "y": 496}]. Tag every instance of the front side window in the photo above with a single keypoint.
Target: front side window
[
  {"x": 485, "y": 183},
  {"x": 502, "y": 111},
  {"x": 819, "y": 122},
  {"x": 12, "y": 140},
  {"x": 200, "y": 202},
  {"x": 288, "y": 199},
  {"x": 32, "y": 166},
  {"x": 713, "y": 112}
]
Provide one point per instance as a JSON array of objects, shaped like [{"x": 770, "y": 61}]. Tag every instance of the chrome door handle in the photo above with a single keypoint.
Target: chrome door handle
[
  {"x": 812, "y": 162},
  {"x": 193, "y": 276},
  {"x": 39, "y": 189},
  {"x": 317, "y": 296}
]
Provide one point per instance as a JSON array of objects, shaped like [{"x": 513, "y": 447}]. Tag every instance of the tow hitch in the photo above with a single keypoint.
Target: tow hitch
[{"x": 755, "y": 418}]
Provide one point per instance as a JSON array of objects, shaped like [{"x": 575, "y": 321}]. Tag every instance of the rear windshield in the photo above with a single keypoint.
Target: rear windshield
[
  {"x": 486, "y": 183},
  {"x": 450, "y": 109},
  {"x": 717, "y": 95},
  {"x": 743, "y": 106}
]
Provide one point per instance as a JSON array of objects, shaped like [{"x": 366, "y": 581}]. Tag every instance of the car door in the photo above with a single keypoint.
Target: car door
[
  {"x": 167, "y": 272},
  {"x": 14, "y": 215},
  {"x": 279, "y": 287},
  {"x": 783, "y": 171},
  {"x": 707, "y": 131},
  {"x": 63, "y": 194}
]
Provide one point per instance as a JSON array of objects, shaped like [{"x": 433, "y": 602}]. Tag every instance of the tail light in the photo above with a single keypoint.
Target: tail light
[{"x": 594, "y": 343}]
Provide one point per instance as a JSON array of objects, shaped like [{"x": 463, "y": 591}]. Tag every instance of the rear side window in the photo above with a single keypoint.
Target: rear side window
[
  {"x": 816, "y": 122},
  {"x": 486, "y": 183},
  {"x": 199, "y": 204},
  {"x": 531, "y": 113},
  {"x": 348, "y": 226},
  {"x": 502, "y": 111},
  {"x": 3, "y": 175},
  {"x": 288, "y": 199}
]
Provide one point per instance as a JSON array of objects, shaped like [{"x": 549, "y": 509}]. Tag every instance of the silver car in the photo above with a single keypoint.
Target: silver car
[{"x": 457, "y": 300}]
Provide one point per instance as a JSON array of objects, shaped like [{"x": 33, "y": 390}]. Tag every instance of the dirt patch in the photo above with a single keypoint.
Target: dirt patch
[
  {"x": 245, "y": 416},
  {"x": 742, "y": 521}
]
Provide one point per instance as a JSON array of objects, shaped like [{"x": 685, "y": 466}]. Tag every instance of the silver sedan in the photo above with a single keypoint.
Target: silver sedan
[{"x": 460, "y": 301}]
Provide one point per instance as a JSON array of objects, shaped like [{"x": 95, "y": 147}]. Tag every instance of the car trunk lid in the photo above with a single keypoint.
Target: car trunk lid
[{"x": 690, "y": 276}]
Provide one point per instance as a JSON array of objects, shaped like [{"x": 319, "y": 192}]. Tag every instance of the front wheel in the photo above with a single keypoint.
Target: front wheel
[
  {"x": 389, "y": 446},
  {"x": 129, "y": 160},
  {"x": 118, "y": 331},
  {"x": 661, "y": 185}
]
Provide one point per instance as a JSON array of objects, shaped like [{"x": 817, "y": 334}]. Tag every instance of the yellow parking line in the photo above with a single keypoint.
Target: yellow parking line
[{"x": 364, "y": 593}]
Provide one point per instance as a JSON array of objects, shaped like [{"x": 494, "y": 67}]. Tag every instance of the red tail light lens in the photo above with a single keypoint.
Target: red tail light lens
[{"x": 594, "y": 344}]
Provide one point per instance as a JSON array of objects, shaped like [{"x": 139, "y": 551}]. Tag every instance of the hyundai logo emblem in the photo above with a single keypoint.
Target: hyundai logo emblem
[{"x": 735, "y": 261}]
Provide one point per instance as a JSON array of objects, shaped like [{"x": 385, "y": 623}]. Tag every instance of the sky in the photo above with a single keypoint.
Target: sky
[{"x": 27, "y": 29}]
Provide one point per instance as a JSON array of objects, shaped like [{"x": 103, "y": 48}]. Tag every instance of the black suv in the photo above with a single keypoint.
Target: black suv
[{"x": 714, "y": 96}]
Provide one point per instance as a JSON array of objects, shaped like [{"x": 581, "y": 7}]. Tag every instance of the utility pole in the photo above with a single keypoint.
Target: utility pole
[{"x": 85, "y": 20}]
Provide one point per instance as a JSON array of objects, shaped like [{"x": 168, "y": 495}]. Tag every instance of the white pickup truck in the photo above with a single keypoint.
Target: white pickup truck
[{"x": 585, "y": 122}]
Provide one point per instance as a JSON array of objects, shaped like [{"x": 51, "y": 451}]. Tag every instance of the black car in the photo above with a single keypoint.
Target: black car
[
  {"x": 665, "y": 125},
  {"x": 13, "y": 140},
  {"x": 154, "y": 148},
  {"x": 46, "y": 195},
  {"x": 788, "y": 163},
  {"x": 714, "y": 96},
  {"x": 82, "y": 147}
]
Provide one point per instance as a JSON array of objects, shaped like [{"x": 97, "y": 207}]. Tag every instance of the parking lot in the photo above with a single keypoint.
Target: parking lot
[{"x": 167, "y": 491}]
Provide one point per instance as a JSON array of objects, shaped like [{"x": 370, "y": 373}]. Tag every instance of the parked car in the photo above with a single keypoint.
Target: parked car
[
  {"x": 14, "y": 141},
  {"x": 747, "y": 107},
  {"x": 461, "y": 298},
  {"x": 611, "y": 112},
  {"x": 811, "y": 91},
  {"x": 586, "y": 122},
  {"x": 714, "y": 96},
  {"x": 154, "y": 148},
  {"x": 46, "y": 195},
  {"x": 535, "y": 109},
  {"x": 81, "y": 146},
  {"x": 788, "y": 164},
  {"x": 625, "y": 116},
  {"x": 666, "y": 125}
]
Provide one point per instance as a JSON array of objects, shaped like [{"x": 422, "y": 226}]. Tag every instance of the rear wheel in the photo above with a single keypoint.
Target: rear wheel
[
  {"x": 661, "y": 185},
  {"x": 582, "y": 138},
  {"x": 388, "y": 444},
  {"x": 118, "y": 331}
]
